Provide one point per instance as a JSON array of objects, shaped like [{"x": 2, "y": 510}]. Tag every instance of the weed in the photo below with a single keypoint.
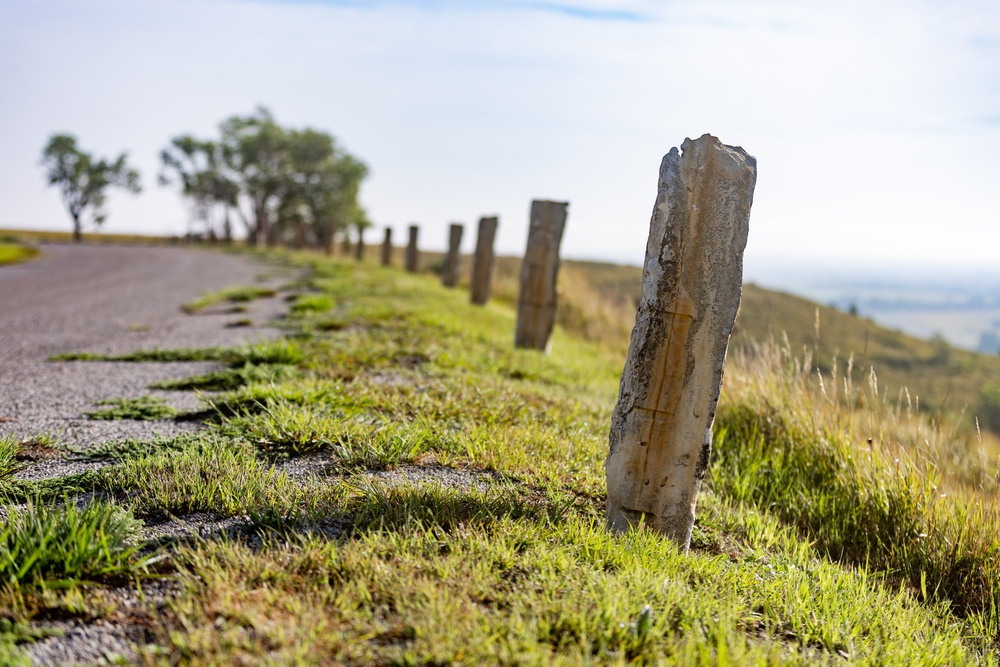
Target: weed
[
  {"x": 9, "y": 448},
  {"x": 155, "y": 354},
  {"x": 230, "y": 294},
  {"x": 131, "y": 448},
  {"x": 207, "y": 475},
  {"x": 270, "y": 352},
  {"x": 311, "y": 303},
  {"x": 146, "y": 408},
  {"x": 12, "y": 253},
  {"x": 50, "y": 489},
  {"x": 234, "y": 377},
  {"x": 63, "y": 544}
]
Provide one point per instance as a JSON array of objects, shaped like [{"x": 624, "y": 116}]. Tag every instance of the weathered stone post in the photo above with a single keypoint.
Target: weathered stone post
[
  {"x": 661, "y": 429},
  {"x": 387, "y": 247},
  {"x": 536, "y": 299},
  {"x": 449, "y": 273},
  {"x": 359, "y": 247},
  {"x": 482, "y": 261},
  {"x": 412, "y": 254}
]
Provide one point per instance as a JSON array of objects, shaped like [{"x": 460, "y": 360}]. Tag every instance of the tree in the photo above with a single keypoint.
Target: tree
[
  {"x": 83, "y": 180},
  {"x": 286, "y": 185},
  {"x": 198, "y": 167}
]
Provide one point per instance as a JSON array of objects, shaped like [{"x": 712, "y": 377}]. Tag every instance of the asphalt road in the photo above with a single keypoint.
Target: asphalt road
[{"x": 112, "y": 299}]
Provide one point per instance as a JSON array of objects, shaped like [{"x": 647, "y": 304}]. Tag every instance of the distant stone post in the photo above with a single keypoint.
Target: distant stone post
[
  {"x": 482, "y": 261},
  {"x": 661, "y": 429},
  {"x": 449, "y": 273},
  {"x": 536, "y": 299},
  {"x": 412, "y": 254},
  {"x": 387, "y": 247},
  {"x": 359, "y": 247},
  {"x": 300, "y": 234}
]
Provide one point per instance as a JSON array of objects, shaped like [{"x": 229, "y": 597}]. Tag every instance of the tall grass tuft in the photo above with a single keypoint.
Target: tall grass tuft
[
  {"x": 9, "y": 446},
  {"x": 63, "y": 544},
  {"x": 840, "y": 471}
]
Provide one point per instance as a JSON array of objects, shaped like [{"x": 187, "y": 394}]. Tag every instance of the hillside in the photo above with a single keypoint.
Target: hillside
[
  {"x": 937, "y": 377},
  {"x": 394, "y": 483}
]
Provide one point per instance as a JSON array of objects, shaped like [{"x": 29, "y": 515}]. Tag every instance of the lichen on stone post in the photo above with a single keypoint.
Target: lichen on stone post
[
  {"x": 661, "y": 429},
  {"x": 412, "y": 254},
  {"x": 536, "y": 298},
  {"x": 482, "y": 262},
  {"x": 449, "y": 272}
]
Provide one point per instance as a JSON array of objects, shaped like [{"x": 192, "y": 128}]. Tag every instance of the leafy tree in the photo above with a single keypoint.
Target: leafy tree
[
  {"x": 286, "y": 185},
  {"x": 255, "y": 151},
  {"x": 198, "y": 167},
  {"x": 322, "y": 188},
  {"x": 83, "y": 180}
]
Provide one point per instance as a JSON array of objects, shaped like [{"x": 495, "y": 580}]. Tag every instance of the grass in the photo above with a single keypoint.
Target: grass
[
  {"x": 57, "y": 545},
  {"x": 37, "y": 236},
  {"x": 143, "y": 408},
  {"x": 230, "y": 378},
  {"x": 452, "y": 505},
  {"x": 235, "y": 294},
  {"x": 270, "y": 352},
  {"x": 598, "y": 302},
  {"x": 311, "y": 303},
  {"x": 207, "y": 476},
  {"x": 14, "y": 253},
  {"x": 10, "y": 446}
]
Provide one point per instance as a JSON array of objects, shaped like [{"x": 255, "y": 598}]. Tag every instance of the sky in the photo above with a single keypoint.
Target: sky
[{"x": 875, "y": 123}]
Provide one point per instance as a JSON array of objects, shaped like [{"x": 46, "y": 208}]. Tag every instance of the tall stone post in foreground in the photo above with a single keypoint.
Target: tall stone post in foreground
[
  {"x": 412, "y": 254},
  {"x": 387, "y": 247},
  {"x": 482, "y": 261},
  {"x": 449, "y": 274},
  {"x": 661, "y": 429},
  {"x": 536, "y": 299}
]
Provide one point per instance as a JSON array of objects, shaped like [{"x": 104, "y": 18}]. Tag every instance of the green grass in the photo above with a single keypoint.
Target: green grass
[
  {"x": 454, "y": 507},
  {"x": 270, "y": 352},
  {"x": 56, "y": 545},
  {"x": 598, "y": 302},
  {"x": 9, "y": 448},
  {"x": 311, "y": 303},
  {"x": 211, "y": 475},
  {"x": 143, "y": 408},
  {"x": 234, "y": 377},
  {"x": 13, "y": 253},
  {"x": 235, "y": 294}
]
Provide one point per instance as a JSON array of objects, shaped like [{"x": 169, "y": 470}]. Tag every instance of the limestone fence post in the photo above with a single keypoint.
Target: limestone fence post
[
  {"x": 387, "y": 247},
  {"x": 482, "y": 261},
  {"x": 661, "y": 428},
  {"x": 412, "y": 254},
  {"x": 536, "y": 298},
  {"x": 452, "y": 261},
  {"x": 359, "y": 247}
]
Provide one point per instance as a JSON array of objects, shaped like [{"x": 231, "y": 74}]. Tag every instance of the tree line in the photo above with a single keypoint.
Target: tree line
[{"x": 278, "y": 185}]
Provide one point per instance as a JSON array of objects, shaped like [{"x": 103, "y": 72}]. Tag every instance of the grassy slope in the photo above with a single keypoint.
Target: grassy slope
[
  {"x": 938, "y": 378},
  {"x": 512, "y": 564}
]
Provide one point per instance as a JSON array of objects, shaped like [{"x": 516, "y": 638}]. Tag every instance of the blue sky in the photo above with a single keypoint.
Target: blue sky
[{"x": 875, "y": 124}]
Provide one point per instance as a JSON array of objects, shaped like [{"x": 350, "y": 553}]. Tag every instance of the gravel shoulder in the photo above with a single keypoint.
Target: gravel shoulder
[{"x": 112, "y": 300}]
